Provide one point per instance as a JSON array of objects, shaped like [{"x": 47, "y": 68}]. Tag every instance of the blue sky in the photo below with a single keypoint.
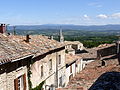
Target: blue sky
[{"x": 79, "y": 12}]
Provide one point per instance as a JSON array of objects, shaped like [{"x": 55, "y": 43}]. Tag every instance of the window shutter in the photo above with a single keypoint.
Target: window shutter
[
  {"x": 16, "y": 84},
  {"x": 24, "y": 81}
]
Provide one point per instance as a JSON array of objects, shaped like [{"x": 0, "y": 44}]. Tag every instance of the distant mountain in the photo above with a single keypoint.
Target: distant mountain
[{"x": 66, "y": 27}]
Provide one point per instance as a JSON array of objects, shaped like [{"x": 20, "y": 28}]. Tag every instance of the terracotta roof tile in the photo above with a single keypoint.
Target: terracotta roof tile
[
  {"x": 14, "y": 47},
  {"x": 102, "y": 46},
  {"x": 72, "y": 42},
  {"x": 71, "y": 58}
]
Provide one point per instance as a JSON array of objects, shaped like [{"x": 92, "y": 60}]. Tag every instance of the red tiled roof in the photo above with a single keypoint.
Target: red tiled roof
[
  {"x": 92, "y": 53},
  {"x": 14, "y": 47},
  {"x": 92, "y": 71},
  {"x": 102, "y": 46},
  {"x": 72, "y": 42},
  {"x": 71, "y": 58}
]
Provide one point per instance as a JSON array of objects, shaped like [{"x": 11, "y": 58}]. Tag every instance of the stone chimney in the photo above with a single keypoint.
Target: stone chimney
[
  {"x": 27, "y": 38},
  {"x": 50, "y": 37},
  {"x": 2, "y": 28}
]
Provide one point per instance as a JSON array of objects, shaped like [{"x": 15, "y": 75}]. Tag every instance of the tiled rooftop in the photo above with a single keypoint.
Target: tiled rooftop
[
  {"x": 14, "y": 47},
  {"x": 72, "y": 42},
  {"x": 92, "y": 54},
  {"x": 92, "y": 71},
  {"x": 102, "y": 46},
  {"x": 71, "y": 58}
]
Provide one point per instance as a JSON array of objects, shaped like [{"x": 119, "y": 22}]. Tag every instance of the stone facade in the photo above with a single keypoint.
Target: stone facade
[
  {"x": 9, "y": 72},
  {"x": 72, "y": 69},
  {"x": 107, "y": 50},
  {"x": 49, "y": 68},
  {"x": 73, "y": 47}
]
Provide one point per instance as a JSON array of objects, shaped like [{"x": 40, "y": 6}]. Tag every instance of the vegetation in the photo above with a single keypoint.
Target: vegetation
[
  {"x": 29, "y": 81},
  {"x": 40, "y": 86},
  {"x": 93, "y": 41}
]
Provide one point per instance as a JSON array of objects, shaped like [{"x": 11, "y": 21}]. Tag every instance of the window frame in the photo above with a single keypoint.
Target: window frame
[
  {"x": 41, "y": 71},
  {"x": 59, "y": 59},
  {"x": 50, "y": 64}
]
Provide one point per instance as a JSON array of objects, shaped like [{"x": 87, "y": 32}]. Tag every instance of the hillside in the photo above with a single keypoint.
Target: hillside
[{"x": 69, "y": 27}]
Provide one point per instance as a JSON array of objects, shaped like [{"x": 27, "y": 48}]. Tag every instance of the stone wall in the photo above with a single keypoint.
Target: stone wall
[
  {"x": 106, "y": 51},
  {"x": 48, "y": 75},
  {"x": 9, "y": 72},
  {"x": 76, "y": 68}
]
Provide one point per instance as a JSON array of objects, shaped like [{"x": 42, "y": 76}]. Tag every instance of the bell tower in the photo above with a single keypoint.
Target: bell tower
[{"x": 61, "y": 37}]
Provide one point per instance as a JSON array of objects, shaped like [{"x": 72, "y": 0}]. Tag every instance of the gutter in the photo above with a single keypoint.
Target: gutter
[{"x": 21, "y": 58}]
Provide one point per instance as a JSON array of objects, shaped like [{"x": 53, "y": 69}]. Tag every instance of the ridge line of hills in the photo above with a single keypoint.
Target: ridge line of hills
[{"x": 67, "y": 27}]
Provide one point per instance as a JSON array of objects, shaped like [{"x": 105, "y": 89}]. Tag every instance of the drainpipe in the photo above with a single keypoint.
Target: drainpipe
[{"x": 56, "y": 75}]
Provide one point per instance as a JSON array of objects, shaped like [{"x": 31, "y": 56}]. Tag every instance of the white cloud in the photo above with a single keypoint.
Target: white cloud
[
  {"x": 102, "y": 16},
  {"x": 115, "y": 15},
  {"x": 86, "y": 17}
]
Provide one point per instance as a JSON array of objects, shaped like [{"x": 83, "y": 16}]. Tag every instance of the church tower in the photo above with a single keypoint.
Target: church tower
[{"x": 61, "y": 37}]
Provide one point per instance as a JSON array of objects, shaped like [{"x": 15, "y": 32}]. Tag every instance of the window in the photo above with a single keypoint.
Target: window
[
  {"x": 50, "y": 64},
  {"x": 59, "y": 59},
  {"x": 60, "y": 81},
  {"x": 20, "y": 83},
  {"x": 42, "y": 71},
  {"x": 70, "y": 69}
]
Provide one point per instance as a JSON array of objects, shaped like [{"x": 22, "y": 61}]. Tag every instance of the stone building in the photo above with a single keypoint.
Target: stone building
[
  {"x": 73, "y": 46},
  {"x": 74, "y": 63},
  {"x": 43, "y": 57},
  {"x": 47, "y": 63},
  {"x": 106, "y": 50},
  {"x": 2, "y": 28},
  {"x": 14, "y": 61},
  {"x": 73, "y": 66}
]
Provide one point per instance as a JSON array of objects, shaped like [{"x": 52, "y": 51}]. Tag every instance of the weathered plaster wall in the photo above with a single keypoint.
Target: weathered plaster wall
[
  {"x": 48, "y": 75},
  {"x": 8, "y": 73}
]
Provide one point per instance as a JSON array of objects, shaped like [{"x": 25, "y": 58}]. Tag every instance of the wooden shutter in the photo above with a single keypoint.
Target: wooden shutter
[
  {"x": 16, "y": 84},
  {"x": 24, "y": 81}
]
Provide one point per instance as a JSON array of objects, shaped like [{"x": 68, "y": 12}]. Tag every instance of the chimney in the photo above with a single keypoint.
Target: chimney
[
  {"x": 2, "y": 28},
  {"x": 51, "y": 37},
  {"x": 103, "y": 63},
  {"x": 27, "y": 38}
]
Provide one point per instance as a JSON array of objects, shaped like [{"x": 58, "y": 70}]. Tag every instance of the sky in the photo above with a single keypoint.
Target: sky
[{"x": 78, "y": 12}]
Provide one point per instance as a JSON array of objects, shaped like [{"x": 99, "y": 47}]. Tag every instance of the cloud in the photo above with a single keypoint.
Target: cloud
[
  {"x": 102, "y": 16},
  {"x": 86, "y": 17},
  {"x": 115, "y": 15}
]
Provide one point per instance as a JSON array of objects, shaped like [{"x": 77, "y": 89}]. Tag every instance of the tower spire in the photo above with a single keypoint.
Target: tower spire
[{"x": 61, "y": 37}]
